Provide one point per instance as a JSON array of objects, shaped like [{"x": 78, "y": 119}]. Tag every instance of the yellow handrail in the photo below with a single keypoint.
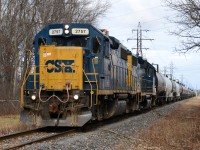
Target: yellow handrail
[
  {"x": 91, "y": 90},
  {"x": 24, "y": 80},
  {"x": 34, "y": 77}
]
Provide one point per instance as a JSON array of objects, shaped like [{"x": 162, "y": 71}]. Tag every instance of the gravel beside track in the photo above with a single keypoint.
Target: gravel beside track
[{"x": 107, "y": 136}]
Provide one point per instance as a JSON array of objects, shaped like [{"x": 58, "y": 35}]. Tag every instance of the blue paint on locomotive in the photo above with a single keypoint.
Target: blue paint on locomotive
[{"x": 147, "y": 73}]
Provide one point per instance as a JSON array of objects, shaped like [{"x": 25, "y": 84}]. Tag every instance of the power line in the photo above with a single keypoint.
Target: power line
[
  {"x": 144, "y": 22},
  {"x": 165, "y": 70},
  {"x": 139, "y": 40},
  {"x": 172, "y": 68},
  {"x": 128, "y": 12}
]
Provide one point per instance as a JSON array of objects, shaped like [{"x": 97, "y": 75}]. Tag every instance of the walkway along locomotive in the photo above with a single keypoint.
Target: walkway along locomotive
[{"x": 77, "y": 74}]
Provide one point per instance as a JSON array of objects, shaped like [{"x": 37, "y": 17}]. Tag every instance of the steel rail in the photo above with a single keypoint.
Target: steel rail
[
  {"x": 49, "y": 137},
  {"x": 13, "y": 135}
]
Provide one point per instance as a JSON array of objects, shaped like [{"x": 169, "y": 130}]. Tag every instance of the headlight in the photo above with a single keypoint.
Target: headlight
[
  {"x": 66, "y": 29},
  {"x": 66, "y": 26},
  {"x": 76, "y": 97},
  {"x": 33, "y": 97}
]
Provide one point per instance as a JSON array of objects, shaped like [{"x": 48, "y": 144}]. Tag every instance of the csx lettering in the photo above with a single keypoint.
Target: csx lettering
[{"x": 57, "y": 66}]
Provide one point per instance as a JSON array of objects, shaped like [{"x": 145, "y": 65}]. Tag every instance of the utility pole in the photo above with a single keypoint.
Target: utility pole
[
  {"x": 196, "y": 91},
  {"x": 171, "y": 68},
  {"x": 165, "y": 70},
  {"x": 182, "y": 78},
  {"x": 139, "y": 40}
]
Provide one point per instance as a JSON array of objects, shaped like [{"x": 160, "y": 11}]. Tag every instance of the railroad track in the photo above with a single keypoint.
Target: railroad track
[
  {"x": 16, "y": 144},
  {"x": 4, "y": 140}
]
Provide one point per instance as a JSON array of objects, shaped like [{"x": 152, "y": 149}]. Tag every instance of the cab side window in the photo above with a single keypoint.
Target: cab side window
[
  {"x": 96, "y": 45},
  {"x": 149, "y": 72}
]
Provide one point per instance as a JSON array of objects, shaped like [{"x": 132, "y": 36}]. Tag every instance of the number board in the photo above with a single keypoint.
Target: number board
[
  {"x": 80, "y": 31},
  {"x": 55, "y": 31}
]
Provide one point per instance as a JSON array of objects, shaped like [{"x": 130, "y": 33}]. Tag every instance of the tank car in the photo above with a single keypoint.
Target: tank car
[
  {"x": 186, "y": 92},
  {"x": 168, "y": 90},
  {"x": 177, "y": 91},
  {"x": 76, "y": 74}
]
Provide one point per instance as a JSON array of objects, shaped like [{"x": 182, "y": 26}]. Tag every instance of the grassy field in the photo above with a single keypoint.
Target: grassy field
[
  {"x": 10, "y": 123},
  {"x": 179, "y": 130}
]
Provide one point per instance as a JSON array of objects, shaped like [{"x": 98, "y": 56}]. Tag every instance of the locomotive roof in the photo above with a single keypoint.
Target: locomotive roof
[{"x": 45, "y": 30}]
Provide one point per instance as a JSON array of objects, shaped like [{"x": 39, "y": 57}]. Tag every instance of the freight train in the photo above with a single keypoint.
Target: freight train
[{"x": 78, "y": 73}]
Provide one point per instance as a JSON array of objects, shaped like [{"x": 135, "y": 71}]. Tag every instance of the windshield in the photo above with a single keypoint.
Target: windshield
[{"x": 72, "y": 41}]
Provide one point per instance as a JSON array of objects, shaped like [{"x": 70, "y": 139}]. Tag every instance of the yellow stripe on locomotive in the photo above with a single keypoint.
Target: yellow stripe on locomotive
[{"x": 130, "y": 69}]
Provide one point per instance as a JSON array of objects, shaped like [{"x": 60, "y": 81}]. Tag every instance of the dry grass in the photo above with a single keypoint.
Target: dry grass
[
  {"x": 9, "y": 108},
  {"x": 10, "y": 124},
  {"x": 180, "y": 130},
  {"x": 9, "y": 120},
  {"x": 9, "y": 117}
]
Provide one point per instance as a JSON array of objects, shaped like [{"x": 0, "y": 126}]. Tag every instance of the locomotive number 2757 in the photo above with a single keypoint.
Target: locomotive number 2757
[
  {"x": 80, "y": 31},
  {"x": 55, "y": 31}
]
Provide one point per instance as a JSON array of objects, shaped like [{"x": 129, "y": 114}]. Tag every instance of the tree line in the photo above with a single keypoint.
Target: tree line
[{"x": 188, "y": 23}]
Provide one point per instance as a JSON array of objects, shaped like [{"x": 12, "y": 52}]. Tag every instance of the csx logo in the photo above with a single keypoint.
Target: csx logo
[{"x": 59, "y": 65}]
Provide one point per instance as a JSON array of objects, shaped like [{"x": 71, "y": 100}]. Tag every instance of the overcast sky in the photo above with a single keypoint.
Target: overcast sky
[{"x": 124, "y": 16}]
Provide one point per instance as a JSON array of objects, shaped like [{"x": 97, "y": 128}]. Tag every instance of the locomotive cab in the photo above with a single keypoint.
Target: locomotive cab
[{"x": 147, "y": 79}]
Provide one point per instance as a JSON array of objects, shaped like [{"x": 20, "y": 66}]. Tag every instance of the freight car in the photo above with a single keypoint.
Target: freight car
[{"x": 78, "y": 73}]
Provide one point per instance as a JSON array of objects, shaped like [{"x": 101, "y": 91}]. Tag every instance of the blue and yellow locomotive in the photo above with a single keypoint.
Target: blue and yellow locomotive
[{"x": 78, "y": 73}]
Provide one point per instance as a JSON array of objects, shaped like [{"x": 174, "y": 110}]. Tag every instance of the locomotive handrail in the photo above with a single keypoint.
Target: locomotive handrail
[
  {"x": 91, "y": 90},
  {"x": 25, "y": 79},
  {"x": 97, "y": 102}
]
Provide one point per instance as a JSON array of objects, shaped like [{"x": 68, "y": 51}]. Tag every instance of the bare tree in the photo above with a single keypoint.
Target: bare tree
[
  {"x": 188, "y": 20},
  {"x": 20, "y": 20}
]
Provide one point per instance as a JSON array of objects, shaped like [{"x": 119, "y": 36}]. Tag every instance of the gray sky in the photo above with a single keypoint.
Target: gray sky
[{"x": 124, "y": 16}]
